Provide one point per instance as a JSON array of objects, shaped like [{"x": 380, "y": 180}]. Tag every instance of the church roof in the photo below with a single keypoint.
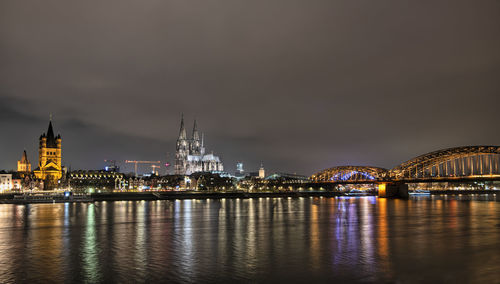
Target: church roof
[
  {"x": 204, "y": 158},
  {"x": 24, "y": 158},
  {"x": 51, "y": 139},
  {"x": 211, "y": 158},
  {"x": 51, "y": 168}
]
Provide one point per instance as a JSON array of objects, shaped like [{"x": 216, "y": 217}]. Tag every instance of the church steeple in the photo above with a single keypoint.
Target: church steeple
[
  {"x": 202, "y": 146},
  {"x": 196, "y": 136},
  {"x": 182, "y": 131},
  {"x": 24, "y": 158},
  {"x": 262, "y": 171},
  {"x": 194, "y": 146},
  {"x": 24, "y": 165},
  {"x": 51, "y": 139},
  {"x": 182, "y": 149}
]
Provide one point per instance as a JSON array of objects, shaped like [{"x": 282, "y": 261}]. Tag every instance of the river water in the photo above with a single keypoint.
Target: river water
[{"x": 313, "y": 240}]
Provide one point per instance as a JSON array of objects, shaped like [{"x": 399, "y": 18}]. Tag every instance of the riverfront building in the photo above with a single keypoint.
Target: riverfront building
[
  {"x": 89, "y": 181},
  {"x": 5, "y": 182}
]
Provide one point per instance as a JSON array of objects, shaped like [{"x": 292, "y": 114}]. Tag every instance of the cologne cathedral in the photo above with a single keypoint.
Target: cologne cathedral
[{"x": 190, "y": 156}]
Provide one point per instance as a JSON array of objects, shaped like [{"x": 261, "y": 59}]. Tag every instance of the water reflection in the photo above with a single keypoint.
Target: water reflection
[
  {"x": 90, "y": 254},
  {"x": 382, "y": 244},
  {"x": 293, "y": 239}
]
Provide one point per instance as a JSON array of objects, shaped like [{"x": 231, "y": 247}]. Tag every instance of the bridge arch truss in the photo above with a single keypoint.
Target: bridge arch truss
[
  {"x": 350, "y": 174},
  {"x": 458, "y": 162}
]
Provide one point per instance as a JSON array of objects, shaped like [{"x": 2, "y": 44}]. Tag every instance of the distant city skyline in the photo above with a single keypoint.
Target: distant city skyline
[{"x": 326, "y": 83}]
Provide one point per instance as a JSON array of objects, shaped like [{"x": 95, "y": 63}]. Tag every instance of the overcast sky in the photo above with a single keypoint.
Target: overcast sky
[{"x": 297, "y": 85}]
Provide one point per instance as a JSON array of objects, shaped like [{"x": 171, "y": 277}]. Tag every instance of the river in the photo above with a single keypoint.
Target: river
[{"x": 309, "y": 240}]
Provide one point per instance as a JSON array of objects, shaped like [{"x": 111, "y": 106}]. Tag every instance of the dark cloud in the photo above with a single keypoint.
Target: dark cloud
[
  {"x": 85, "y": 146},
  {"x": 297, "y": 85}
]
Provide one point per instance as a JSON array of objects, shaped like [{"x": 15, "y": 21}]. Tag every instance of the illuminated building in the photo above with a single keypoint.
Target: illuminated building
[
  {"x": 96, "y": 180},
  {"x": 262, "y": 172},
  {"x": 24, "y": 165},
  {"x": 169, "y": 181},
  {"x": 239, "y": 167},
  {"x": 49, "y": 159},
  {"x": 190, "y": 154},
  {"x": 240, "y": 173},
  {"x": 19, "y": 180},
  {"x": 5, "y": 182},
  {"x": 135, "y": 183},
  {"x": 211, "y": 181},
  {"x": 17, "y": 184}
]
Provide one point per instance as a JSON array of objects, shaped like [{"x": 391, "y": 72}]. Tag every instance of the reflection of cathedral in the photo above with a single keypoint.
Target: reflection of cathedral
[{"x": 190, "y": 154}]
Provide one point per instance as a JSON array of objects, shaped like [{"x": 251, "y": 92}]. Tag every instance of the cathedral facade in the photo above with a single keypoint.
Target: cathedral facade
[
  {"x": 49, "y": 159},
  {"x": 190, "y": 156}
]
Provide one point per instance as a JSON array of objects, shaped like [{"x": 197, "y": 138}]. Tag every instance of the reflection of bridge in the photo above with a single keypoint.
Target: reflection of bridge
[{"x": 470, "y": 163}]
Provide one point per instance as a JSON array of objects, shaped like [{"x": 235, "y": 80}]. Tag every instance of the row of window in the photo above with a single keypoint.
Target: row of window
[{"x": 93, "y": 176}]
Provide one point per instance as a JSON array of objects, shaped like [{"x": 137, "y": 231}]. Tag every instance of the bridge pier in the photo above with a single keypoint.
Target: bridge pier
[{"x": 393, "y": 190}]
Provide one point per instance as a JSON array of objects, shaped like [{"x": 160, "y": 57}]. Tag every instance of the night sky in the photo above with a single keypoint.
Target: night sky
[{"x": 297, "y": 85}]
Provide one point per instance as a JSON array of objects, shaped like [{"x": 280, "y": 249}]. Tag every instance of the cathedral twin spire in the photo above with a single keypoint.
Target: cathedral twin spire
[
  {"x": 195, "y": 135},
  {"x": 182, "y": 132},
  {"x": 190, "y": 153}
]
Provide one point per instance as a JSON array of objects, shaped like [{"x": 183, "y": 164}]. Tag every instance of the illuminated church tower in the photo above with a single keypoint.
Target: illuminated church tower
[
  {"x": 181, "y": 150},
  {"x": 49, "y": 159},
  {"x": 24, "y": 165},
  {"x": 195, "y": 147}
]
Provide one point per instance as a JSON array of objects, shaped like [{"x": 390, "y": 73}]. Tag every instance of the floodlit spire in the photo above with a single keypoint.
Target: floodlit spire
[
  {"x": 50, "y": 131},
  {"x": 51, "y": 139},
  {"x": 182, "y": 131},
  {"x": 24, "y": 159},
  {"x": 202, "y": 147},
  {"x": 196, "y": 136}
]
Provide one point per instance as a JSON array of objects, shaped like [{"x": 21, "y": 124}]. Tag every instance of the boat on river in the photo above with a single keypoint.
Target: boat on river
[
  {"x": 357, "y": 192},
  {"x": 51, "y": 197},
  {"x": 418, "y": 192}
]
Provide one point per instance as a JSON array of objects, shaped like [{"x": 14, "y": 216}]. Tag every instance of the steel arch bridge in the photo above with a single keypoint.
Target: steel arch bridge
[
  {"x": 467, "y": 163},
  {"x": 346, "y": 174},
  {"x": 458, "y": 162}
]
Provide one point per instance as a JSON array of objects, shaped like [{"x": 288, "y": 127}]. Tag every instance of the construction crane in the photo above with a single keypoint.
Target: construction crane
[{"x": 141, "y": 162}]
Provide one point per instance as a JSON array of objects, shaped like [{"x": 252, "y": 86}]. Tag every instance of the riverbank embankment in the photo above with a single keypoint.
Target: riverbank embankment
[
  {"x": 9, "y": 198},
  {"x": 164, "y": 195}
]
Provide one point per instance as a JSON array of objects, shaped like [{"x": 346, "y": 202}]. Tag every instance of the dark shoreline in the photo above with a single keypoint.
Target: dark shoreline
[{"x": 172, "y": 195}]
